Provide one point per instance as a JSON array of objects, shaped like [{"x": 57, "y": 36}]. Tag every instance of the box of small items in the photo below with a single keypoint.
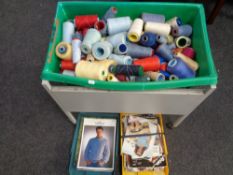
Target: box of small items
[
  {"x": 130, "y": 46},
  {"x": 143, "y": 145}
]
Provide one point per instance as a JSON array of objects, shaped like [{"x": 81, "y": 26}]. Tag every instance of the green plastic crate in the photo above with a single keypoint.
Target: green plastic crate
[
  {"x": 72, "y": 165},
  {"x": 190, "y": 13}
]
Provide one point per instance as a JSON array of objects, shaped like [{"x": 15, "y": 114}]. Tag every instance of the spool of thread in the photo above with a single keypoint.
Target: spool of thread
[
  {"x": 176, "y": 50},
  {"x": 149, "y": 17},
  {"x": 148, "y": 64},
  {"x": 144, "y": 78},
  {"x": 107, "y": 63},
  {"x": 158, "y": 28},
  {"x": 189, "y": 52},
  {"x": 170, "y": 39},
  {"x": 126, "y": 70},
  {"x": 110, "y": 13},
  {"x": 182, "y": 42},
  {"x": 163, "y": 67},
  {"x": 148, "y": 39},
  {"x": 117, "y": 38},
  {"x": 184, "y": 30},
  {"x": 84, "y": 31},
  {"x": 76, "y": 50},
  {"x": 121, "y": 49},
  {"x": 67, "y": 65},
  {"x": 161, "y": 39},
  {"x": 92, "y": 36},
  {"x": 121, "y": 77},
  {"x": 155, "y": 76},
  {"x": 173, "y": 77},
  {"x": 117, "y": 25},
  {"x": 85, "y": 21},
  {"x": 164, "y": 51},
  {"x": 91, "y": 70},
  {"x": 64, "y": 51},
  {"x": 121, "y": 59},
  {"x": 103, "y": 39},
  {"x": 175, "y": 22},
  {"x": 90, "y": 58},
  {"x": 191, "y": 63},
  {"x": 136, "y": 51},
  {"x": 111, "y": 77},
  {"x": 101, "y": 50},
  {"x": 166, "y": 74},
  {"x": 135, "y": 30},
  {"x": 101, "y": 26},
  {"x": 172, "y": 46},
  {"x": 68, "y": 31},
  {"x": 68, "y": 72},
  {"x": 161, "y": 59},
  {"x": 180, "y": 69}
]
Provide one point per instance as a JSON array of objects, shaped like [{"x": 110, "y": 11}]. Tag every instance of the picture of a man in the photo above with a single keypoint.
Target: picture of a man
[{"x": 97, "y": 151}]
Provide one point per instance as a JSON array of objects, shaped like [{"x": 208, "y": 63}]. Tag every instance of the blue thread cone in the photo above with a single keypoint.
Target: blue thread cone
[
  {"x": 172, "y": 46},
  {"x": 184, "y": 30},
  {"x": 148, "y": 39},
  {"x": 180, "y": 69},
  {"x": 136, "y": 51},
  {"x": 161, "y": 39},
  {"x": 164, "y": 51},
  {"x": 166, "y": 74},
  {"x": 161, "y": 59}
]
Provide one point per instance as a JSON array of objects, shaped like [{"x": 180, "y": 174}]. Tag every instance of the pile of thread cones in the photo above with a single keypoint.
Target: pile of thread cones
[{"x": 119, "y": 49}]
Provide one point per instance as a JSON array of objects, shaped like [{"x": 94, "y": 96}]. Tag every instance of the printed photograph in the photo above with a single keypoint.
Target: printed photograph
[{"x": 97, "y": 146}]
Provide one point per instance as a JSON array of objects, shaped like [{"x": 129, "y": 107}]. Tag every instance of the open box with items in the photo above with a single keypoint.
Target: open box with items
[{"x": 192, "y": 14}]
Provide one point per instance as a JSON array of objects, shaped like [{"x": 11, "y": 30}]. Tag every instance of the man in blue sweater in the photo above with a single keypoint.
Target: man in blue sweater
[{"x": 97, "y": 152}]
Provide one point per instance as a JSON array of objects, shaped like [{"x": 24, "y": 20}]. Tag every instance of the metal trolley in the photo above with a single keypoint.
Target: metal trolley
[{"x": 173, "y": 101}]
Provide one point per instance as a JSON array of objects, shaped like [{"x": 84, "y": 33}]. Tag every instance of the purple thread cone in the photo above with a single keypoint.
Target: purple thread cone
[
  {"x": 149, "y": 17},
  {"x": 184, "y": 30},
  {"x": 164, "y": 51},
  {"x": 136, "y": 51},
  {"x": 180, "y": 69}
]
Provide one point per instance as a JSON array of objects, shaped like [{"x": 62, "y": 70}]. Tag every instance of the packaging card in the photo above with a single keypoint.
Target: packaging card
[{"x": 97, "y": 146}]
